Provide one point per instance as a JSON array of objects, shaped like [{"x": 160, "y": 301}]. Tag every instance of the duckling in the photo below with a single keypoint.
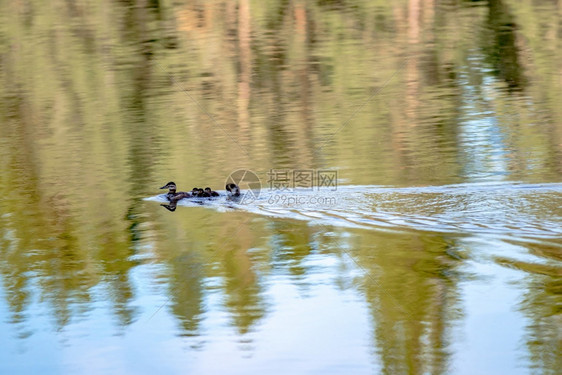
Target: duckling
[
  {"x": 172, "y": 195},
  {"x": 211, "y": 192},
  {"x": 199, "y": 193},
  {"x": 233, "y": 189},
  {"x": 203, "y": 194}
]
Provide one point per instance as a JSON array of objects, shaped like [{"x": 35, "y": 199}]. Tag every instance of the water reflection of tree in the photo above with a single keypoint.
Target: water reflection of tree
[
  {"x": 412, "y": 292},
  {"x": 214, "y": 260},
  {"x": 242, "y": 285},
  {"x": 243, "y": 290},
  {"x": 40, "y": 239},
  {"x": 291, "y": 244},
  {"x": 500, "y": 44},
  {"x": 88, "y": 117},
  {"x": 542, "y": 305},
  {"x": 186, "y": 288}
]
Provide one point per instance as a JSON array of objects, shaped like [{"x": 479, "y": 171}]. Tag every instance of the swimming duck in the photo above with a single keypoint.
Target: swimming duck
[
  {"x": 211, "y": 192},
  {"x": 203, "y": 194},
  {"x": 199, "y": 193},
  {"x": 233, "y": 189},
  {"x": 172, "y": 194}
]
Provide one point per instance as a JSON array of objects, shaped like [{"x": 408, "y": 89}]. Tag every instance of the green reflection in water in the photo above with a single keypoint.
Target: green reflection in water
[{"x": 95, "y": 116}]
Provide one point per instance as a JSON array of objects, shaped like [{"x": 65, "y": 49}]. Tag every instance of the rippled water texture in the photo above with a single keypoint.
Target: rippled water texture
[{"x": 436, "y": 248}]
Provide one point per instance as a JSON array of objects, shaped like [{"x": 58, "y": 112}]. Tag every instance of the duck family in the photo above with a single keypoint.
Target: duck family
[{"x": 173, "y": 195}]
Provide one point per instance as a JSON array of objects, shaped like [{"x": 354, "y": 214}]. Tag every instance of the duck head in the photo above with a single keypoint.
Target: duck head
[
  {"x": 171, "y": 186},
  {"x": 233, "y": 189}
]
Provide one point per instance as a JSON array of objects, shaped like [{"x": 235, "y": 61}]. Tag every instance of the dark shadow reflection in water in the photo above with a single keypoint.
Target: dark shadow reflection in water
[{"x": 500, "y": 45}]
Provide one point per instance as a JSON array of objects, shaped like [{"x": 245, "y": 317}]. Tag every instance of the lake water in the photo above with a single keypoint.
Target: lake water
[{"x": 401, "y": 164}]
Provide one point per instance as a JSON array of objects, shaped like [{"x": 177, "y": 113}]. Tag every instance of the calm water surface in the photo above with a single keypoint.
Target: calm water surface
[{"x": 439, "y": 251}]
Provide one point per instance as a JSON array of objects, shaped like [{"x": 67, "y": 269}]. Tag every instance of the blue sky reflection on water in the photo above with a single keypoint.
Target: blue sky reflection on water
[
  {"x": 439, "y": 253},
  {"x": 153, "y": 343},
  {"x": 311, "y": 316}
]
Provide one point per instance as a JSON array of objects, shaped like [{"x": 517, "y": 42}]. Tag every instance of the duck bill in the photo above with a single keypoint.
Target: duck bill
[{"x": 164, "y": 187}]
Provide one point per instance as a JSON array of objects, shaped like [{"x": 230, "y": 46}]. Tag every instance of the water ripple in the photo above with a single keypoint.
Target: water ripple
[{"x": 510, "y": 209}]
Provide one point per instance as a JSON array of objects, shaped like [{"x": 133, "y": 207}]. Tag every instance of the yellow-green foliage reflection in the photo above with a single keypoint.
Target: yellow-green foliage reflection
[{"x": 103, "y": 102}]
